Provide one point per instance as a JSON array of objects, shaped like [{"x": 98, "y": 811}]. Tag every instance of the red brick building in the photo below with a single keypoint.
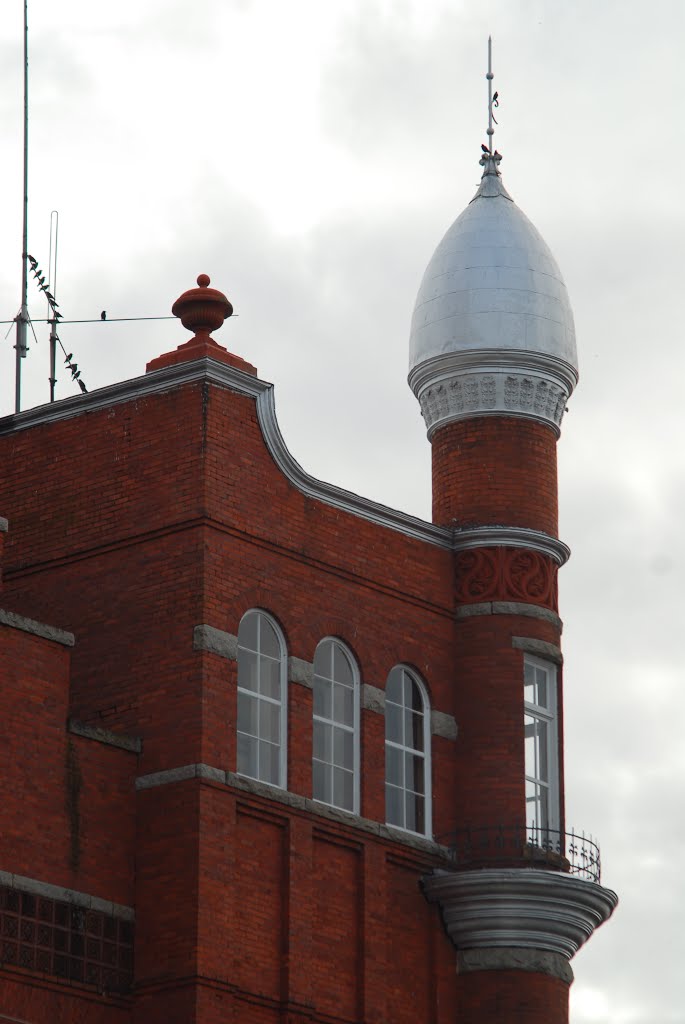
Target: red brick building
[{"x": 273, "y": 752}]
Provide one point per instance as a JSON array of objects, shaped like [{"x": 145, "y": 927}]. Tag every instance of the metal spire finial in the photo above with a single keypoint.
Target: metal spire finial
[
  {"x": 490, "y": 76},
  {"x": 490, "y": 158}
]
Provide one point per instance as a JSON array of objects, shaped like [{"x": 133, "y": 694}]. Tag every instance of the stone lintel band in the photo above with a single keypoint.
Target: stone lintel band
[
  {"x": 209, "y": 638},
  {"x": 57, "y": 892},
  {"x": 60, "y": 636},
  {"x": 66, "y": 936},
  {"x": 531, "y": 611},
  {"x": 295, "y": 801},
  {"x": 133, "y": 744}
]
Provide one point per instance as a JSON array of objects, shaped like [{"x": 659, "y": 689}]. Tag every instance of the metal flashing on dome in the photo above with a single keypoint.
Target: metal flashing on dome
[{"x": 491, "y": 184}]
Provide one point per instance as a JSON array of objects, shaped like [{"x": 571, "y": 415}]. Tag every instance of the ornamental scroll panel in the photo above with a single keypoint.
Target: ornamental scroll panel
[{"x": 506, "y": 574}]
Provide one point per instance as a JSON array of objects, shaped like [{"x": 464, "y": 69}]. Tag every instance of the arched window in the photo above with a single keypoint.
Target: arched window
[
  {"x": 262, "y": 699},
  {"x": 407, "y": 752},
  {"x": 335, "y": 747}
]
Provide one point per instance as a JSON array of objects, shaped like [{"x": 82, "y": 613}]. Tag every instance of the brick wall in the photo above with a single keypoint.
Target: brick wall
[
  {"x": 68, "y": 823},
  {"x": 512, "y": 997},
  {"x": 495, "y": 470},
  {"x": 31, "y": 1000},
  {"x": 489, "y": 709},
  {"x": 133, "y": 524},
  {"x": 63, "y": 793}
]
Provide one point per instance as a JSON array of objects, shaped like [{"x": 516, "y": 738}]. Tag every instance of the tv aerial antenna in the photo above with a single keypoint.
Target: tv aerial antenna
[{"x": 22, "y": 318}]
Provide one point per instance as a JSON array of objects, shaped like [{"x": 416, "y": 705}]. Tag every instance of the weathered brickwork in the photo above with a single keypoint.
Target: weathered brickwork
[
  {"x": 496, "y": 470},
  {"x": 518, "y": 998},
  {"x": 66, "y": 791},
  {"x": 132, "y": 524}
]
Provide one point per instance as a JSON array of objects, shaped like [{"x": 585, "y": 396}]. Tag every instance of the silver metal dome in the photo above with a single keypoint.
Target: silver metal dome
[{"x": 492, "y": 330}]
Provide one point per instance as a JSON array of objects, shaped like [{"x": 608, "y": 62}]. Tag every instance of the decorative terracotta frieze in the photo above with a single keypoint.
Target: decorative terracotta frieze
[{"x": 506, "y": 574}]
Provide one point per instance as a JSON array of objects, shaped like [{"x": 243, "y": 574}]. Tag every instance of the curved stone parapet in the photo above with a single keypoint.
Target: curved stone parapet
[{"x": 519, "y": 909}]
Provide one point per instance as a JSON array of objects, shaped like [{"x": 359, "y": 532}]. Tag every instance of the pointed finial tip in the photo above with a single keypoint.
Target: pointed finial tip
[{"x": 492, "y": 101}]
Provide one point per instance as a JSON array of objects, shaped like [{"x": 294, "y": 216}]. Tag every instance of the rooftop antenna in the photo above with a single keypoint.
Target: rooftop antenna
[
  {"x": 22, "y": 318},
  {"x": 52, "y": 281}
]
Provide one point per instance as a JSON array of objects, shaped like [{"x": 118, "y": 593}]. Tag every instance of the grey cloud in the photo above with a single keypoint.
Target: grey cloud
[{"x": 589, "y": 104}]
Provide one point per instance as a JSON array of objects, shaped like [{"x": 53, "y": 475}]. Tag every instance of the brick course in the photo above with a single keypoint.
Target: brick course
[
  {"x": 495, "y": 470},
  {"x": 129, "y": 526}
]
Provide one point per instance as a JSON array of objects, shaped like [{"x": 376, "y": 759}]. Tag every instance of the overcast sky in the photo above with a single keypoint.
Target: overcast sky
[{"x": 309, "y": 155}]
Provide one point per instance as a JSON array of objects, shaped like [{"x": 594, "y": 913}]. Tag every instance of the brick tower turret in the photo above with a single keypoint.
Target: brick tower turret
[
  {"x": 271, "y": 749},
  {"x": 493, "y": 363}
]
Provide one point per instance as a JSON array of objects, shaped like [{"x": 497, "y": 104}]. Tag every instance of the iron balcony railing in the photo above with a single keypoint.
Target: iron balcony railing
[{"x": 519, "y": 846}]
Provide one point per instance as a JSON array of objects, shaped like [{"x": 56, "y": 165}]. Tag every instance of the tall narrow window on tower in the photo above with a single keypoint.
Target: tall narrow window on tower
[
  {"x": 262, "y": 681},
  {"x": 541, "y": 749},
  {"x": 407, "y": 752},
  {"x": 335, "y": 760}
]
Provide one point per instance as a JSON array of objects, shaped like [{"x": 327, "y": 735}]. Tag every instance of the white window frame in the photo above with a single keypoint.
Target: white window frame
[
  {"x": 283, "y": 676},
  {"x": 549, "y": 715},
  {"x": 426, "y": 753},
  {"x": 354, "y": 729}
]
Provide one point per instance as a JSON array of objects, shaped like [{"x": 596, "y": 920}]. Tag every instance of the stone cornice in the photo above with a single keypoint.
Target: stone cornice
[
  {"x": 511, "y": 537},
  {"x": 509, "y": 382},
  {"x": 519, "y": 908},
  {"x": 504, "y": 360},
  {"x": 138, "y": 387}
]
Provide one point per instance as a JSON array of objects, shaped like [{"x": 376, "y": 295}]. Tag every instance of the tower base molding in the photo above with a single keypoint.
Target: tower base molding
[
  {"x": 513, "y": 958},
  {"x": 522, "y": 908}
]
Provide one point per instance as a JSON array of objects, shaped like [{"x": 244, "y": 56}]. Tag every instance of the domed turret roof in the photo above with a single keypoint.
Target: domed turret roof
[
  {"x": 492, "y": 329},
  {"x": 492, "y": 283}
]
